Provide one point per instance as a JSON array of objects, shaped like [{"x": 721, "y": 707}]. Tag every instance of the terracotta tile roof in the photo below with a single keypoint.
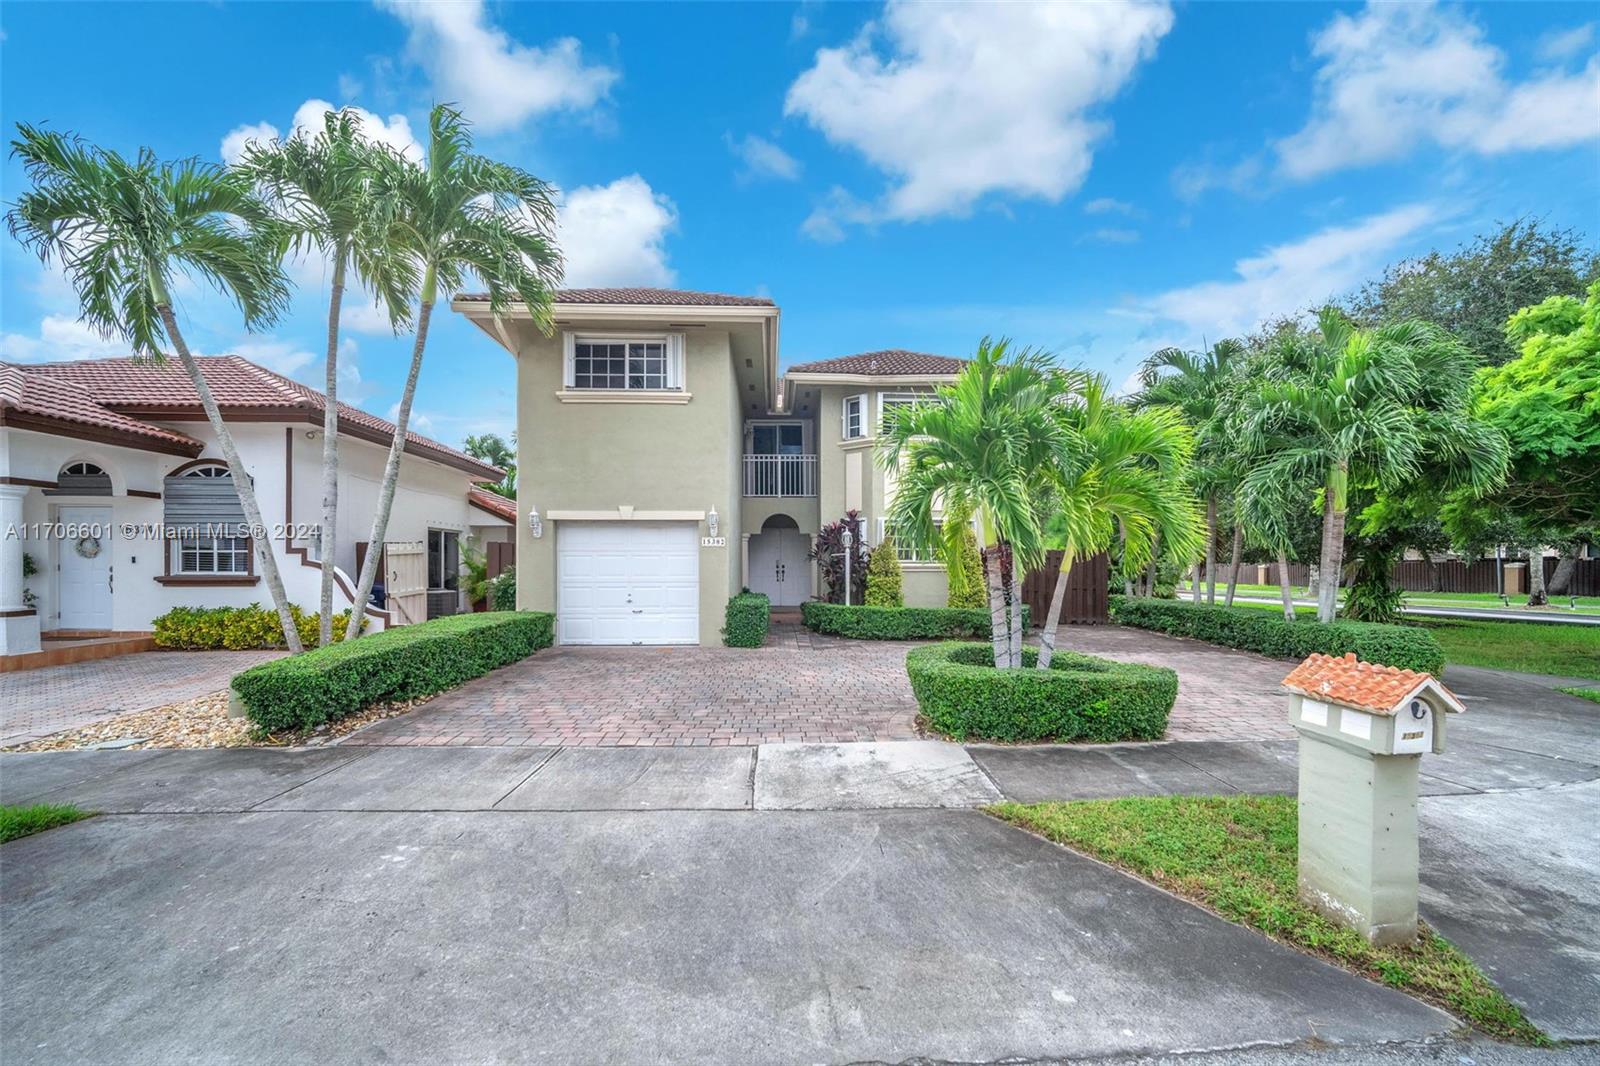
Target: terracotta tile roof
[
  {"x": 889, "y": 362},
  {"x": 1367, "y": 686},
  {"x": 647, "y": 297},
  {"x": 142, "y": 388},
  {"x": 43, "y": 400},
  {"x": 494, "y": 503}
]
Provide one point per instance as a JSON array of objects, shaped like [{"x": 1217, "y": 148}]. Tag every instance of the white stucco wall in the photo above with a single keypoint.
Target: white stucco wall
[{"x": 430, "y": 495}]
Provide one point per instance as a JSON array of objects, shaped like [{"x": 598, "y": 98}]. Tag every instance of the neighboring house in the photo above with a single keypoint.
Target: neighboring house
[
  {"x": 111, "y": 473},
  {"x": 662, "y": 466}
]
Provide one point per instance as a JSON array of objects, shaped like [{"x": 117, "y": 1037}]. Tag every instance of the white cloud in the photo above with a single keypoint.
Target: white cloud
[
  {"x": 763, "y": 159},
  {"x": 1560, "y": 45},
  {"x": 60, "y": 337},
  {"x": 616, "y": 234},
  {"x": 1291, "y": 278},
  {"x": 308, "y": 120},
  {"x": 1110, "y": 235},
  {"x": 238, "y": 138},
  {"x": 838, "y": 210},
  {"x": 1106, "y": 205},
  {"x": 280, "y": 357},
  {"x": 969, "y": 100},
  {"x": 499, "y": 83},
  {"x": 1395, "y": 76},
  {"x": 1189, "y": 180}
]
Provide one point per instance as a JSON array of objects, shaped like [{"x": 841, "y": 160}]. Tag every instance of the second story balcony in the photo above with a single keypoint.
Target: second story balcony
[{"x": 780, "y": 475}]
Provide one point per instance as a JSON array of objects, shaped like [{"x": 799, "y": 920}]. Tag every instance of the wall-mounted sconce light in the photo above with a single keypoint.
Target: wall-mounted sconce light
[
  {"x": 711, "y": 520},
  {"x": 535, "y": 523}
]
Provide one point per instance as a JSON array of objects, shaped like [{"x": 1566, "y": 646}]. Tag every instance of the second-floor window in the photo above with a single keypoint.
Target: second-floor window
[
  {"x": 855, "y": 417},
  {"x": 642, "y": 363}
]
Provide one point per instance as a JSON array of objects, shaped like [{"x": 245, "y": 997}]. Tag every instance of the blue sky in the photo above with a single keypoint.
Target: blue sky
[{"x": 1096, "y": 179}]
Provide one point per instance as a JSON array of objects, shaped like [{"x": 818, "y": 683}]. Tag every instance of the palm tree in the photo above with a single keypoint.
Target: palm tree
[
  {"x": 460, "y": 216},
  {"x": 124, "y": 230},
  {"x": 1344, "y": 407},
  {"x": 1195, "y": 386},
  {"x": 320, "y": 189},
  {"x": 978, "y": 451},
  {"x": 1126, "y": 475}
]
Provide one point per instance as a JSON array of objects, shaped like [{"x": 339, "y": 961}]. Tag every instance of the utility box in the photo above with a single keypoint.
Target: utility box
[{"x": 1363, "y": 730}]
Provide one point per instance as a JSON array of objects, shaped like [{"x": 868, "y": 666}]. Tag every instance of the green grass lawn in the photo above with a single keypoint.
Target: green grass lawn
[
  {"x": 18, "y": 821},
  {"x": 1236, "y": 855},
  {"x": 1590, "y": 694}
]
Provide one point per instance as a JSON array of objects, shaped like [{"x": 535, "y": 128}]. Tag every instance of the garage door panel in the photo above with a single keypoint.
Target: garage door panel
[{"x": 628, "y": 583}]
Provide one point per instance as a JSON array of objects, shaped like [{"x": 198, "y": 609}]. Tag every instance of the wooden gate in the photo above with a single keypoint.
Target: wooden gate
[
  {"x": 1086, "y": 589},
  {"x": 406, "y": 580}
]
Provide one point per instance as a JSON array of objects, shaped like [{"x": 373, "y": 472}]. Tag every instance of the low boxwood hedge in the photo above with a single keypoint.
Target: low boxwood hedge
[
  {"x": 745, "y": 624},
  {"x": 898, "y": 623},
  {"x": 306, "y": 690},
  {"x": 1079, "y": 698},
  {"x": 1267, "y": 633},
  {"x": 237, "y": 628}
]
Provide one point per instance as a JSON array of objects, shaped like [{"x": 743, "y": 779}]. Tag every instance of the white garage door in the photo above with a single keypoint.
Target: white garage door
[{"x": 628, "y": 582}]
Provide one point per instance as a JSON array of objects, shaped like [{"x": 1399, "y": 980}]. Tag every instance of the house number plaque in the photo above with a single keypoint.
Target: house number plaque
[{"x": 713, "y": 542}]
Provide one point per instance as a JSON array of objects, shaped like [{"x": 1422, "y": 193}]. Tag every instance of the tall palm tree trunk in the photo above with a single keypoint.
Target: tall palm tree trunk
[
  {"x": 1211, "y": 550},
  {"x": 1283, "y": 587},
  {"x": 1058, "y": 600},
  {"x": 1014, "y": 622},
  {"x": 327, "y": 541},
  {"x": 1332, "y": 547},
  {"x": 1153, "y": 572},
  {"x": 999, "y": 638},
  {"x": 242, "y": 485},
  {"x": 1536, "y": 590},
  {"x": 391, "y": 469},
  {"x": 1233, "y": 564}
]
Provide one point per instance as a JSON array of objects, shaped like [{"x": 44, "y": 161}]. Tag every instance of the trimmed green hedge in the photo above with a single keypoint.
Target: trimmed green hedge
[
  {"x": 304, "y": 691},
  {"x": 1267, "y": 633},
  {"x": 745, "y": 625},
  {"x": 898, "y": 623},
  {"x": 238, "y": 628},
  {"x": 1080, "y": 697}
]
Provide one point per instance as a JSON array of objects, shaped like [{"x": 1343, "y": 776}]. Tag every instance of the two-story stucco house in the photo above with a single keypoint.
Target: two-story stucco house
[{"x": 664, "y": 463}]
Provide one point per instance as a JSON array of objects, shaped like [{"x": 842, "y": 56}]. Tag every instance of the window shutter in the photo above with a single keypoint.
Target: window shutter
[
  {"x": 568, "y": 354},
  {"x": 675, "y": 346},
  {"x": 208, "y": 504}
]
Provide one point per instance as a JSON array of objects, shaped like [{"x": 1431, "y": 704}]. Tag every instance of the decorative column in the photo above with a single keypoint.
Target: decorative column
[{"x": 19, "y": 625}]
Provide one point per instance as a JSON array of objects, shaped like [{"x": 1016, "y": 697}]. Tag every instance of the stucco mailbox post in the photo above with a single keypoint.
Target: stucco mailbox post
[{"x": 1363, "y": 731}]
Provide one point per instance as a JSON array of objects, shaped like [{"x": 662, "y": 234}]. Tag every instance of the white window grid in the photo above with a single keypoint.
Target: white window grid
[
  {"x": 624, "y": 362},
  {"x": 205, "y": 554},
  {"x": 854, "y": 417}
]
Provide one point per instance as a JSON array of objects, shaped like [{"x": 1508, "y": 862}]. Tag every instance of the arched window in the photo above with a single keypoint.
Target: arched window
[
  {"x": 205, "y": 521},
  {"x": 82, "y": 479}
]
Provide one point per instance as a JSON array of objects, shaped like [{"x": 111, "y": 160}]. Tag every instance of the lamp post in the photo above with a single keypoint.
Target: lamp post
[{"x": 848, "y": 539}]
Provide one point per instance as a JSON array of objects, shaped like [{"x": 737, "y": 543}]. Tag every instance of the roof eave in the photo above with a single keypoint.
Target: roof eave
[{"x": 806, "y": 377}]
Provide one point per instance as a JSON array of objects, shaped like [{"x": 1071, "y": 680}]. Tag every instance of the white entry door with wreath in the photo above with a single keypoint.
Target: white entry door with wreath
[{"x": 84, "y": 579}]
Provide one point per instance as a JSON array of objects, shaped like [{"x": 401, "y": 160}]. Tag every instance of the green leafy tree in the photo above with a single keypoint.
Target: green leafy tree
[
  {"x": 963, "y": 568},
  {"x": 1195, "y": 383},
  {"x": 1349, "y": 408},
  {"x": 884, "y": 576},
  {"x": 492, "y": 448},
  {"x": 980, "y": 449},
  {"x": 319, "y": 188},
  {"x": 460, "y": 216},
  {"x": 1124, "y": 472},
  {"x": 124, "y": 230},
  {"x": 1472, "y": 291}
]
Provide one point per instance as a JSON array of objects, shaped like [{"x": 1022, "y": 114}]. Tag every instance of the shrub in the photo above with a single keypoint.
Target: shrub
[
  {"x": 503, "y": 590},
  {"x": 745, "y": 625},
  {"x": 828, "y": 551},
  {"x": 1266, "y": 633},
  {"x": 304, "y": 691},
  {"x": 884, "y": 576},
  {"x": 1079, "y": 698},
  {"x": 965, "y": 574},
  {"x": 898, "y": 623},
  {"x": 237, "y": 628}
]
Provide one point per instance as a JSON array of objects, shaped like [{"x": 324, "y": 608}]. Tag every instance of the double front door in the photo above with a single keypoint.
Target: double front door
[{"x": 779, "y": 567}]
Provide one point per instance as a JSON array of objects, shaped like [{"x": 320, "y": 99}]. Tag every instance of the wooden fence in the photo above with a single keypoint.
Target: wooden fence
[
  {"x": 1086, "y": 590},
  {"x": 502, "y": 557},
  {"x": 1585, "y": 579},
  {"x": 1419, "y": 575}
]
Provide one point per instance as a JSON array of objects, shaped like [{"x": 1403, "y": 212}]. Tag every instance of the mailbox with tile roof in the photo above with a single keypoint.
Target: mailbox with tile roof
[{"x": 1363, "y": 730}]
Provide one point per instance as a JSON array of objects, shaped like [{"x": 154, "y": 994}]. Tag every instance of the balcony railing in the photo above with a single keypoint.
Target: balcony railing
[{"x": 780, "y": 475}]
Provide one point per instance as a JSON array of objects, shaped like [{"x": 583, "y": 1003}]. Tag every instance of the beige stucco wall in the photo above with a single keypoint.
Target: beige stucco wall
[
  {"x": 849, "y": 475},
  {"x": 599, "y": 457}
]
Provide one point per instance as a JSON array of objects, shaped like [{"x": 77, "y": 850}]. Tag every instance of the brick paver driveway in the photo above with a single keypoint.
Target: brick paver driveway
[
  {"x": 798, "y": 688},
  {"x": 37, "y": 703}
]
